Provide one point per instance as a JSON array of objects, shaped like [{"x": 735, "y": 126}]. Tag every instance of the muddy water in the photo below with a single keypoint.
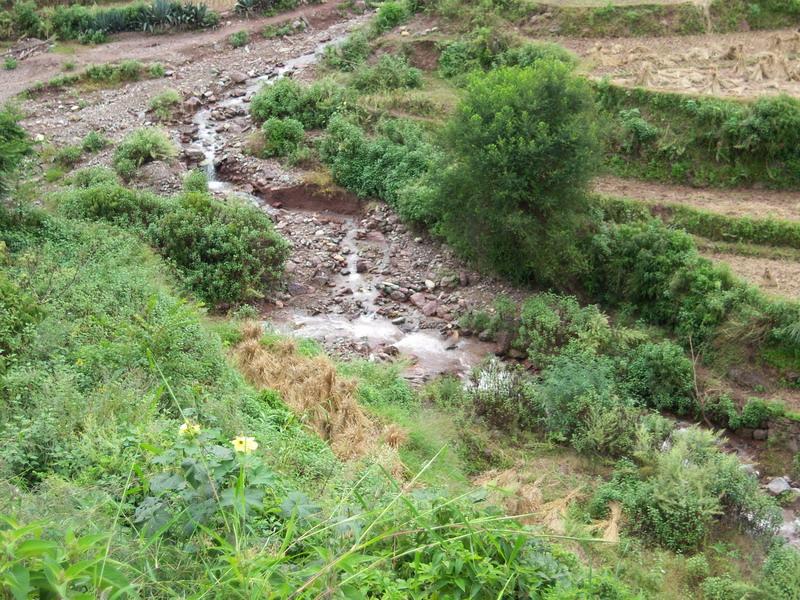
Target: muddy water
[{"x": 429, "y": 352}]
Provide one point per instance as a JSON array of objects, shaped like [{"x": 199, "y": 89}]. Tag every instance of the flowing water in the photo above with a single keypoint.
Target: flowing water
[{"x": 430, "y": 352}]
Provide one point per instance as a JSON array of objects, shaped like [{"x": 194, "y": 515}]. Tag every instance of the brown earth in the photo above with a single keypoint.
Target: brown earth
[
  {"x": 174, "y": 48},
  {"x": 738, "y": 65},
  {"x": 733, "y": 202}
]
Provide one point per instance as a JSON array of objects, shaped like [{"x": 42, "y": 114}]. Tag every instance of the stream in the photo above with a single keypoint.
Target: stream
[{"x": 430, "y": 354}]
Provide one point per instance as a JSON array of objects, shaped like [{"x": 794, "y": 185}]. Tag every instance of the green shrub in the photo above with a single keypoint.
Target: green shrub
[
  {"x": 27, "y": 21},
  {"x": 226, "y": 252},
  {"x": 311, "y": 105},
  {"x": 389, "y": 73},
  {"x": 697, "y": 567},
  {"x": 385, "y": 167},
  {"x": 163, "y": 105},
  {"x": 686, "y": 490},
  {"x": 99, "y": 197},
  {"x": 530, "y": 53},
  {"x": 31, "y": 558},
  {"x": 94, "y": 142},
  {"x": 525, "y": 223},
  {"x": 68, "y": 156},
  {"x": 549, "y": 322},
  {"x": 660, "y": 272},
  {"x": 390, "y": 14},
  {"x": 348, "y": 55},
  {"x": 701, "y": 141},
  {"x": 781, "y": 573},
  {"x": 498, "y": 395},
  {"x": 195, "y": 180},
  {"x": 755, "y": 413},
  {"x": 141, "y": 146},
  {"x": 239, "y": 39},
  {"x": 281, "y": 136},
  {"x": 14, "y": 145},
  {"x": 570, "y": 386},
  {"x": 156, "y": 70},
  {"x": 10, "y": 63},
  {"x": 725, "y": 588},
  {"x": 92, "y": 176},
  {"x": 18, "y": 313},
  {"x": 661, "y": 376}
]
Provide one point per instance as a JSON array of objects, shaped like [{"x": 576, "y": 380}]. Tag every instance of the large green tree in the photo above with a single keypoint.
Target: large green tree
[{"x": 525, "y": 147}]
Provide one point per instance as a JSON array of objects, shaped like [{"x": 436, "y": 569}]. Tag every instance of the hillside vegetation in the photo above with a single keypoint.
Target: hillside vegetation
[{"x": 160, "y": 438}]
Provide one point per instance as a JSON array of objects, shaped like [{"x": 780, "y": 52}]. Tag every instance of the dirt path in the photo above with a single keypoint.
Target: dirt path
[
  {"x": 732, "y": 202},
  {"x": 174, "y": 49}
]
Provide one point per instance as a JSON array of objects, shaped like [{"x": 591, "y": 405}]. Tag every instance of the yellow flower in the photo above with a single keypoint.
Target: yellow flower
[
  {"x": 244, "y": 444},
  {"x": 188, "y": 429}
]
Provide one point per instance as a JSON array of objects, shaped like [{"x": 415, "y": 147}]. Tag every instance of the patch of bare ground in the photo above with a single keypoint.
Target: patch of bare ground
[
  {"x": 738, "y": 65},
  {"x": 753, "y": 203},
  {"x": 177, "y": 48},
  {"x": 774, "y": 276}
]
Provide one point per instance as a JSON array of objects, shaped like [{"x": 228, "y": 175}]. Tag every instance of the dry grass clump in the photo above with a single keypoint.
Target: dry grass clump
[{"x": 325, "y": 401}]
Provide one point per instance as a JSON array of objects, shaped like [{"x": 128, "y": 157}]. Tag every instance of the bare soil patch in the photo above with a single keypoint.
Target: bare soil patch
[
  {"x": 739, "y": 65},
  {"x": 176, "y": 48},
  {"x": 775, "y": 277},
  {"x": 753, "y": 203}
]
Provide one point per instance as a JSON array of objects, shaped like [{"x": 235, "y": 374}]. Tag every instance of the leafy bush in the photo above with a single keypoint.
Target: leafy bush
[
  {"x": 573, "y": 384},
  {"x": 549, "y": 323},
  {"x": 530, "y": 53},
  {"x": 163, "y": 105},
  {"x": 499, "y": 396},
  {"x": 348, "y": 55},
  {"x": 781, "y": 573},
  {"x": 18, "y": 314},
  {"x": 225, "y": 252},
  {"x": 239, "y": 39},
  {"x": 391, "y": 72},
  {"x": 688, "y": 488},
  {"x": 390, "y": 14},
  {"x": 282, "y": 136},
  {"x": 697, "y": 567},
  {"x": 661, "y": 376},
  {"x": 385, "y": 167},
  {"x": 755, "y": 413},
  {"x": 10, "y": 63},
  {"x": 34, "y": 564},
  {"x": 659, "y": 271},
  {"x": 702, "y": 141},
  {"x": 196, "y": 180},
  {"x": 94, "y": 142},
  {"x": 92, "y": 176},
  {"x": 141, "y": 146},
  {"x": 312, "y": 105},
  {"x": 68, "y": 156},
  {"x": 639, "y": 131},
  {"x": 14, "y": 145},
  {"x": 524, "y": 223}
]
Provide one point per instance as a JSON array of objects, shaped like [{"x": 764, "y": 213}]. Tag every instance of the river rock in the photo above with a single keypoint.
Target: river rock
[
  {"x": 237, "y": 77},
  {"x": 430, "y": 308},
  {"x": 194, "y": 154},
  {"x": 778, "y": 485},
  {"x": 760, "y": 434},
  {"x": 418, "y": 299},
  {"x": 362, "y": 266}
]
